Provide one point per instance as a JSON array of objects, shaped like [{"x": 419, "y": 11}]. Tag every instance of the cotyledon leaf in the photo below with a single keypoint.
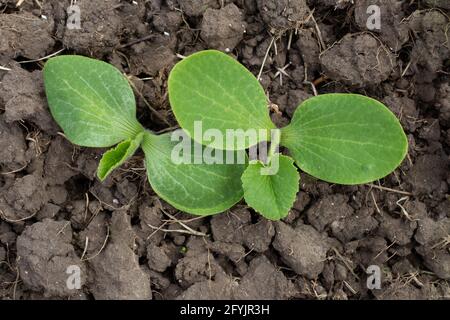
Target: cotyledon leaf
[
  {"x": 271, "y": 195},
  {"x": 91, "y": 101},
  {"x": 200, "y": 189},
  {"x": 116, "y": 157},
  {"x": 213, "y": 89},
  {"x": 345, "y": 138}
]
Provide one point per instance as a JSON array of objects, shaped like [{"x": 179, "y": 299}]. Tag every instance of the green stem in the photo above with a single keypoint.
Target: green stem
[{"x": 275, "y": 142}]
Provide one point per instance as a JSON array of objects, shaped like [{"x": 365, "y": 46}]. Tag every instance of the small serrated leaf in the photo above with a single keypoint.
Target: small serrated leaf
[
  {"x": 116, "y": 157},
  {"x": 271, "y": 195}
]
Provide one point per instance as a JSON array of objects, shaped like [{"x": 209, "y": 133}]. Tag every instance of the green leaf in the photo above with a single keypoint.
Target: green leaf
[
  {"x": 91, "y": 101},
  {"x": 213, "y": 88},
  {"x": 271, "y": 195},
  {"x": 117, "y": 156},
  {"x": 200, "y": 189},
  {"x": 345, "y": 139}
]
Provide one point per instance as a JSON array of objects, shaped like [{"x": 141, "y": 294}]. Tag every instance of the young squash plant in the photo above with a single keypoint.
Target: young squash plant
[
  {"x": 339, "y": 138},
  {"x": 95, "y": 106}
]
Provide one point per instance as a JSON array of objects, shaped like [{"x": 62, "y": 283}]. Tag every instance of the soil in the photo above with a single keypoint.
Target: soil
[{"x": 55, "y": 214}]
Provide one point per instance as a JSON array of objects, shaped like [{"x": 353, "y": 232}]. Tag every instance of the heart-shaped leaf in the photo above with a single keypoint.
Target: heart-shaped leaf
[
  {"x": 215, "y": 91},
  {"x": 193, "y": 186},
  {"x": 91, "y": 101},
  {"x": 345, "y": 138},
  {"x": 271, "y": 195},
  {"x": 116, "y": 157}
]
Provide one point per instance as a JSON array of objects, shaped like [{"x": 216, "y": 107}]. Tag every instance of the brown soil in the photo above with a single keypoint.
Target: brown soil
[{"x": 54, "y": 213}]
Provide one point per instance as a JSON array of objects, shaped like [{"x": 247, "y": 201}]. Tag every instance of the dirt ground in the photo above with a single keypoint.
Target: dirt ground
[{"x": 129, "y": 244}]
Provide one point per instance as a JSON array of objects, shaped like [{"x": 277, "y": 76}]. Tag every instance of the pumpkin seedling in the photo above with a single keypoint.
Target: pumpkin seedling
[{"x": 339, "y": 138}]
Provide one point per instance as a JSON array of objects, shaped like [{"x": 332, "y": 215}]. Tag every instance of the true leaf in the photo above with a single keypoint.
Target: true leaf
[
  {"x": 117, "y": 156},
  {"x": 215, "y": 89},
  {"x": 199, "y": 189},
  {"x": 345, "y": 138},
  {"x": 91, "y": 101},
  {"x": 271, "y": 195}
]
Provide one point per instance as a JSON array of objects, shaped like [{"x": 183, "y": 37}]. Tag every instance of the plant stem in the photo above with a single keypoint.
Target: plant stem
[{"x": 274, "y": 144}]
